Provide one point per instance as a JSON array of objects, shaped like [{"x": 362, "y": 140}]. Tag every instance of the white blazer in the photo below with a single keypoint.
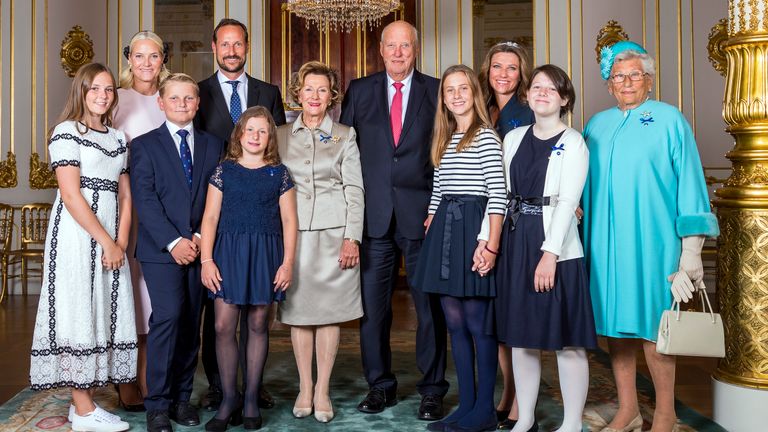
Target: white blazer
[{"x": 570, "y": 163}]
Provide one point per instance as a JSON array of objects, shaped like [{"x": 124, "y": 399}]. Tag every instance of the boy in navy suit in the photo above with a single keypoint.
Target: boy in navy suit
[{"x": 170, "y": 168}]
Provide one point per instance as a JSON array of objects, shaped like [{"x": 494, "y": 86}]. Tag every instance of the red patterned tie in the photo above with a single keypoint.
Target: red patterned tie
[{"x": 396, "y": 112}]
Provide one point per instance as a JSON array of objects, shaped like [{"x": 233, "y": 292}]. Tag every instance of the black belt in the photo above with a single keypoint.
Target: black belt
[
  {"x": 452, "y": 212},
  {"x": 518, "y": 205}
]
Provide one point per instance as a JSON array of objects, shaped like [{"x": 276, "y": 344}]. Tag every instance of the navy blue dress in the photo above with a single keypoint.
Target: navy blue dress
[
  {"x": 513, "y": 115},
  {"x": 525, "y": 318},
  {"x": 249, "y": 239}
]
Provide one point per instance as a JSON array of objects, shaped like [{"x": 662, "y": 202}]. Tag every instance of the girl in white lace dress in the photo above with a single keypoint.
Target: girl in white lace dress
[{"x": 85, "y": 334}]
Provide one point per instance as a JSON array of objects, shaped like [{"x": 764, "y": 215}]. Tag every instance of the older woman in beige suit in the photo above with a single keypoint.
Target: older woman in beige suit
[{"x": 324, "y": 161}]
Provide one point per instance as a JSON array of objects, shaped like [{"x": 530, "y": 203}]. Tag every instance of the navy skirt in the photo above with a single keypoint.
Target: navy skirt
[
  {"x": 445, "y": 261},
  {"x": 550, "y": 320},
  {"x": 248, "y": 263}
]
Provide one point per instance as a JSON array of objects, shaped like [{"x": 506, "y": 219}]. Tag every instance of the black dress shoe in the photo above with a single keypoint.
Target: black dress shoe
[
  {"x": 501, "y": 415},
  {"x": 212, "y": 400},
  {"x": 265, "y": 399},
  {"x": 252, "y": 423},
  {"x": 431, "y": 407},
  {"x": 376, "y": 401},
  {"x": 506, "y": 424},
  {"x": 158, "y": 421},
  {"x": 220, "y": 425},
  {"x": 139, "y": 407},
  {"x": 184, "y": 414}
]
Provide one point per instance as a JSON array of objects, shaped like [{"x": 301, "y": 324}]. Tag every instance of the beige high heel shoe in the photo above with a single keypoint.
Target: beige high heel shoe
[
  {"x": 324, "y": 416},
  {"x": 636, "y": 425},
  {"x": 299, "y": 412}
]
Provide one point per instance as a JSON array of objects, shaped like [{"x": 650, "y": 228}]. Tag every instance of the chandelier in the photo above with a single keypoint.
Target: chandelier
[{"x": 342, "y": 14}]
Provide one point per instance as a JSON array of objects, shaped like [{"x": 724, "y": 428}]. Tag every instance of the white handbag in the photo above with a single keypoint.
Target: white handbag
[{"x": 691, "y": 333}]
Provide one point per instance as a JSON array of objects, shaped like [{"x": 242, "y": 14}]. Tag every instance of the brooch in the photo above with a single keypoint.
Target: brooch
[
  {"x": 325, "y": 138},
  {"x": 558, "y": 148},
  {"x": 646, "y": 118},
  {"x": 513, "y": 123}
]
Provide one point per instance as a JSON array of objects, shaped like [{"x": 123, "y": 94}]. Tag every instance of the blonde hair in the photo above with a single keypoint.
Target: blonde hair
[
  {"x": 180, "y": 78},
  {"x": 315, "y": 67},
  {"x": 235, "y": 149},
  {"x": 525, "y": 72},
  {"x": 75, "y": 107},
  {"x": 126, "y": 76},
  {"x": 445, "y": 122}
]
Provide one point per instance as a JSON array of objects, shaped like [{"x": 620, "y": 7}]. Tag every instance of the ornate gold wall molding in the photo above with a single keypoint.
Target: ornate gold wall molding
[
  {"x": 748, "y": 175},
  {"x": 743, "y": 298},
  {"x": 742, "y": 202},
  {"x": 718, "y": 35},
  {"x": 8, "y": 176},
  {"x": 745, "y": 104},
  {"x": 611, "y": 33},
  {"x": 76, "y": 50},
  {"x": 41, "y": 176},
  {"x": 747, "y": 17}
]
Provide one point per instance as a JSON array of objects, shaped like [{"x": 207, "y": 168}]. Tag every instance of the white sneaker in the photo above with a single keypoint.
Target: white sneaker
[
  {"x": 98, "y": 421},
  {"x": 72, "y": 412}
]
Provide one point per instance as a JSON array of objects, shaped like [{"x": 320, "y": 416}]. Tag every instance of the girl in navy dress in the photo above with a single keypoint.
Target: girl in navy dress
[
  {"x": 468, "y": 183},
  {"x": 543, "y": 300},
  {"x": 247, "y": 252}
]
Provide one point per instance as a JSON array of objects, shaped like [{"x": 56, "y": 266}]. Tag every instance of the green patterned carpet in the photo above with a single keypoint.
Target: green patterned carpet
[{"x": 37, "y": 411}]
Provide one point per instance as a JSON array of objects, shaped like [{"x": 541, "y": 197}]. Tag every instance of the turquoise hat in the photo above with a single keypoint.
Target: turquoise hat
[{"x": 607, "y": 54}]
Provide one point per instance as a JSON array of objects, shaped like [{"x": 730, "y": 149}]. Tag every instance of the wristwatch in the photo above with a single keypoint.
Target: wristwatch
[{"x": 357, "y": 242}]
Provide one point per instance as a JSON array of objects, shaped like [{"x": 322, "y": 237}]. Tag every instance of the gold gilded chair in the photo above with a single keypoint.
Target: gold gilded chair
[
  {"x": 6, "y": 238},
  {"x": 32, "y": 231}
]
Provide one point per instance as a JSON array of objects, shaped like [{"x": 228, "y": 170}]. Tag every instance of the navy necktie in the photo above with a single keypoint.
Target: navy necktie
[
  {"x": 235, "y": 105},
  {"x": 186, "y": 156}
]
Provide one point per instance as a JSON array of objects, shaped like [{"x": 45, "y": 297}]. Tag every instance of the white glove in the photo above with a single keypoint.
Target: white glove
[
  {"x": 690, "y": 259},
  {"x": 682, "y": 287}
]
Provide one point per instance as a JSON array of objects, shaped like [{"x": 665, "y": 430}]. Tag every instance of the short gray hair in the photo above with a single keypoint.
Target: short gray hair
[
  {"x": 649, "y": 65},
  {"x": 413, "y": 29}
]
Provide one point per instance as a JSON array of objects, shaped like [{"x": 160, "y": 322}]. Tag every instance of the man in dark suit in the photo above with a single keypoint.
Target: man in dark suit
[
  {"x": 170, "y": 167},
  {"x": 393, "y": 112},
  {"x": 223, "y": 97}
]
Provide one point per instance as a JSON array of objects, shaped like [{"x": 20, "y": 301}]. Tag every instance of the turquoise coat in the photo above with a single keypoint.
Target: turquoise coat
[{"x": 644, "y": 192}]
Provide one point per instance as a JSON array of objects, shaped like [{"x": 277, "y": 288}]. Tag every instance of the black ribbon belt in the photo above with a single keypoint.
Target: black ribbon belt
[
  {"x": 518, "y": 205},
  {"x": 453, "y": 212}
]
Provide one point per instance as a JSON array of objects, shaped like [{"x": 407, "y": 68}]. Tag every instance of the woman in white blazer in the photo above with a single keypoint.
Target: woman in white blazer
[{"x": 543, "y": 298}]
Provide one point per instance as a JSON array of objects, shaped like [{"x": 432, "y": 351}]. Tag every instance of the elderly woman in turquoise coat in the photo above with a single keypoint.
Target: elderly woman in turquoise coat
[{"x": 646, "y": 217}]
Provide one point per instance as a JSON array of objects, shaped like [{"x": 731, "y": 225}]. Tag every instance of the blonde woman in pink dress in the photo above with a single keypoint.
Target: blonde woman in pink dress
[{"x": 137, "y": 113}]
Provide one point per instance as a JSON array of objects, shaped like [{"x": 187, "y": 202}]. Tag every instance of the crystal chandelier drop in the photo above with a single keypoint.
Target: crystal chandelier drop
[{"x": 342, "y": 14}]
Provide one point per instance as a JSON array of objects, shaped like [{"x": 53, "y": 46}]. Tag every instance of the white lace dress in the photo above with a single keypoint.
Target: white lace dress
[{"x": 85, "y": 335}]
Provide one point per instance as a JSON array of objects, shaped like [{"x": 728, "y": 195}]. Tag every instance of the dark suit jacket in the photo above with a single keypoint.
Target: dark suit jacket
[
  {"x": 398, "y": 181},
  {"x": 166, "y": 207},
  {"x": 213, "y": 115}
]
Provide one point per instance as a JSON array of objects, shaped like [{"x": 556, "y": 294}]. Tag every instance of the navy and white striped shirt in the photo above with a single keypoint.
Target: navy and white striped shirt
[{"x": 478, "y": 170}]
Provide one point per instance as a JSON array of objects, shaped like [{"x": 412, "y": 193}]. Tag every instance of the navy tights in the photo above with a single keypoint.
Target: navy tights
[{"x": 465, "y": 319}]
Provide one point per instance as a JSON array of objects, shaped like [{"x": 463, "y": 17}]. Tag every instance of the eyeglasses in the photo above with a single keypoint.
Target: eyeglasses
[{"x": 633, "y": 76}]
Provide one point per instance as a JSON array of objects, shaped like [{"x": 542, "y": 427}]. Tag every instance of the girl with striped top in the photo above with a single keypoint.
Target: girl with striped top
[{"x": 468, "y": 183}]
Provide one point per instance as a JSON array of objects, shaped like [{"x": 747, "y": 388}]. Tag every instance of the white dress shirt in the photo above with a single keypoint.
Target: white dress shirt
[
  {"x": 242, "y": 89},
  {"x": 173, "y": 128},
  {"x": 406, "y": 90}
]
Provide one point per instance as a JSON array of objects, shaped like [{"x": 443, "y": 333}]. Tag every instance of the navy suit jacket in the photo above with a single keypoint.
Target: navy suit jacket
[
  {"x": 167, "y": 209},
  {"x": 398, "y": 181},
  {"x": 213, "y": 114}
]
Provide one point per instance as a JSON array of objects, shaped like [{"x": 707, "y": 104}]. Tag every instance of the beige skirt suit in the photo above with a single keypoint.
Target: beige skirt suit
[{"x": 325, "y": 166}]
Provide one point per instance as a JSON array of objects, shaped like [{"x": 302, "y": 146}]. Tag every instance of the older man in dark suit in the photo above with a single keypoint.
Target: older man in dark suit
[
  {"x": 223, "y": 97},
  {"x": 393, "y": 112}
]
